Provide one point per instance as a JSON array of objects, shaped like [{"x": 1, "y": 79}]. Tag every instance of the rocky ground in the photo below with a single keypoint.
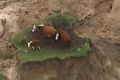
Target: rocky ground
[{"x": 97, "y": 20}]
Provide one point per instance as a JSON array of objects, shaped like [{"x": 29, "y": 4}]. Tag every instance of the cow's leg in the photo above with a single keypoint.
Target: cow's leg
[
  {"x": 42, "y": 37},
  {"x": 53, "y": 40},
  {"x": 39, "y": 47},
  {"x": 68, "y": 44},
  {"x": 33, "y": 47}
]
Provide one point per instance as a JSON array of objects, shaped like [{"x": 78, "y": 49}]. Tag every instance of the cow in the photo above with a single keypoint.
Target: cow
[
  {"x": 46, "y": 30},
  {"x": 64, "y": 37},
  {"x": 35, "y": 43}
]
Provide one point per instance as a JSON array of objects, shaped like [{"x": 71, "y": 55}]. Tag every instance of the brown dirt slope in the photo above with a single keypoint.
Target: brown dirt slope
[{"x": 96, "y": 66}]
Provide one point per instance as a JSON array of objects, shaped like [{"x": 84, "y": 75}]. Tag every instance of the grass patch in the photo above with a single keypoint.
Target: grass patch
[
  {"x": 21, "y": 38},
  {"x": 44, "y": 54},
  {"x": 20, "y": 42},
  {"x": 2, "y": 77},
  {"x": 59, "y": 20}
]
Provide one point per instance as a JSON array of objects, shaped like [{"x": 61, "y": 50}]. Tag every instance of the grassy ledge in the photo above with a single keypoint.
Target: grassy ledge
[{"x": 25, "y": 54}]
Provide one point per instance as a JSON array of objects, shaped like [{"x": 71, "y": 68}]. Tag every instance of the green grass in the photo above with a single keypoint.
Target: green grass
[
  {"x": 20, "y": 41},
  {"x": 58, "y": 19},
  {"x": 2, "y": 77},
  {"x": 20, "y": 38},
  {"x": 44, "y": 54}
]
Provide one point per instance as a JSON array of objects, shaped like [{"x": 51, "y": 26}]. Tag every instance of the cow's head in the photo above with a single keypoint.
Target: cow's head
[{"x": 35, "y": 27}]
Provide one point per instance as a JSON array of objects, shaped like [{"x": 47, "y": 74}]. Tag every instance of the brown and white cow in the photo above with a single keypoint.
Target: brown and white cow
[
  {"x": 46, "y": 30},
  {"x": 64, "y": 37},
  {"x": 35, "y": 44}
]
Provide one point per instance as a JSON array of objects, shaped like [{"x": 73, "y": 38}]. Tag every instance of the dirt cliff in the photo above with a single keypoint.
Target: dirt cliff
[
  {"x": 96, "y": 66},
  {"x": 96, "y": 19}
]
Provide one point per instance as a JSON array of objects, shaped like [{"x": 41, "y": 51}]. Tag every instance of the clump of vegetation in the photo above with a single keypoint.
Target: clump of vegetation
[
  {"x": 20, "y": 39},
  {"x": 2, "y": 77},
  {"x": 59, "y": 20},
  {"x": 25, "y": 54}
]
